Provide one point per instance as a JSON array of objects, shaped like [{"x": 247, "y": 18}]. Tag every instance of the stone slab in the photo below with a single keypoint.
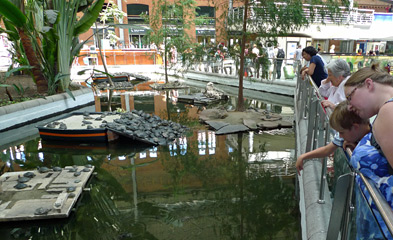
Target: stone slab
[
  {"x": 232, "y": 129},
  {"x": 251, "y": 124},
  {"x": 216, "y": 125}
]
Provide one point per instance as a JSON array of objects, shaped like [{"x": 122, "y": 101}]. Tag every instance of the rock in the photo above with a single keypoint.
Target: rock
[{"x": 214, "y": 113}]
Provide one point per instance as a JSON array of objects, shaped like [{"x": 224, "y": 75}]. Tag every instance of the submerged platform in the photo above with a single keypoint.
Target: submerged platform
[
  {"x": 199, "y": 99},
  {"x": 50, "y": 194}
]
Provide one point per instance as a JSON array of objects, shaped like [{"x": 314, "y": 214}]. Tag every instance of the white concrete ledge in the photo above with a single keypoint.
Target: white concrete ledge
[{"x": 19, "y": 113}]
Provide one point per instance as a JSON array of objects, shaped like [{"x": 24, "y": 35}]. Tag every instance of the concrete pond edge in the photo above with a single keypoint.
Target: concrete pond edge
[{"x": 20, "y": 113}]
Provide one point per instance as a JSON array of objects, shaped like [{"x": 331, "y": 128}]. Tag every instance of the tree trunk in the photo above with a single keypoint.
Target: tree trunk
[
  {"x": 40, "y": 81},
  {"x": 240, "y": 99}
]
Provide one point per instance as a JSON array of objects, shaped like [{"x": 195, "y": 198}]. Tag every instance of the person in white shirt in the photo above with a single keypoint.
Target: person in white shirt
[
  {"x": 255, "y": 51},
  {"x": 332, "y": 87},
  {"x": 297, "y": 57}
]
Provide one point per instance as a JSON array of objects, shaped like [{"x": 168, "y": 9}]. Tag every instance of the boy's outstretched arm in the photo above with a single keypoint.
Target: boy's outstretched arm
[{"x": 321, "y": 152}]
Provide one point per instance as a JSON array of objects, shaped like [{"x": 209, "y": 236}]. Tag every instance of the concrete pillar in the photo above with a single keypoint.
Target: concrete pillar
[
  {"x": 127, "y": 102},
  {"x": 97, "y": 103}
]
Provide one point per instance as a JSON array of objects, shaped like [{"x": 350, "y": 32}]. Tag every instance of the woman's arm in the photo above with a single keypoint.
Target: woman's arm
[
  {"x": 383, "y": 131},
  {"x": 311, "y": 69},
  {"x": 325, "y": 89}
]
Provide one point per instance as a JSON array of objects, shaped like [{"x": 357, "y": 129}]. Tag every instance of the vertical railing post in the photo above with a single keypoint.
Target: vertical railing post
[
  {"x": 321, "y": 199},
  {"x": 311, "y": 123}
]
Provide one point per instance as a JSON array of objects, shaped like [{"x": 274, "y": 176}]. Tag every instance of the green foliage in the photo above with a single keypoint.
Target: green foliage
[
  {"x": 53, "y": 32},
  {"x": 12, "y": 13},
  {"x": 169, "y": 22},
  {"x": 20, "y": 89},
  {"x": 88, "y": 18}
]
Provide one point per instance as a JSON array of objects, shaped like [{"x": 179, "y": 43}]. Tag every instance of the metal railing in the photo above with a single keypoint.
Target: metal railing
[
  {"x": 343, "y": 209},
  {"x": 349, "y": 16}
]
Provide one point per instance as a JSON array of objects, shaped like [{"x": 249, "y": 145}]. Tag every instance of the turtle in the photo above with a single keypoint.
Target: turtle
[
  {"x": 74, "y": 169},
  {"x": 21, "y": 185},
  {"x": 71, "y": 195},
  {"x": 42, "y": 211},
  {"x": 87, "y": 122},
  {"x": 29, "y": 174},
  {"x": 50, "y": 125},
  {"x": 71, "y": 189},
  {"x": 57, "y": 169},
  {"x": 63, "y": 126},
  {"x": 43, "y": 169},
  {"x": 89, "y": 127},
  {"x": 86, "y": 170},
  {"x": 77, "y": 174},
  {"x": 23, "y": 179},
  {"x": 88, "y": 165},
  {"x": 77, "y": 181}
]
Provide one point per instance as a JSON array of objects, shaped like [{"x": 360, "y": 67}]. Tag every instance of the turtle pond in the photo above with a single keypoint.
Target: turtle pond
[{"x": 200, "y": 186}]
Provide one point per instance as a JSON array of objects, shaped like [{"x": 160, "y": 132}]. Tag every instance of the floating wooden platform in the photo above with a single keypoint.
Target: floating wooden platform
[
  {"x": 76, "y": 128},
  {"x": 116, "y": 78},
  {"x": 49, "y": 195}
]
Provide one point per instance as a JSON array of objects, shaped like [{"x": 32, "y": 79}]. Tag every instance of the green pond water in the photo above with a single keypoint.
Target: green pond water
[{"x": 202, "y": 186}]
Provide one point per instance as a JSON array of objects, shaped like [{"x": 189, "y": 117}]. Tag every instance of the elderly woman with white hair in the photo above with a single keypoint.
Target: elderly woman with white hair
[{"x": 332, "y": 87}]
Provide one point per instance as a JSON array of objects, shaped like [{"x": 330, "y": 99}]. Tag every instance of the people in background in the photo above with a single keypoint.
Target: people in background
[
  {"x": 316, "y": 67},
  {"x": 255, "y": 55},
  {"x": 332, "y": 48},
  {"x": 371, "y": 53},
  {"x": 369, "y": 92},
  {"x": 270, "y": 54},
  {"x": 297, "y": 57},
  {"x": 332, "y": 87},
  {"x": 280, "y": 56}
]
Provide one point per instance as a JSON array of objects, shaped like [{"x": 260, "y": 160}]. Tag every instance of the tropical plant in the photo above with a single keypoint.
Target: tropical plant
[{"x": 48, "y": 33}]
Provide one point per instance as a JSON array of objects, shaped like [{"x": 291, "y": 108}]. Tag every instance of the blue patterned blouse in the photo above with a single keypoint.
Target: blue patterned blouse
[{"x": 367, "y": 160}]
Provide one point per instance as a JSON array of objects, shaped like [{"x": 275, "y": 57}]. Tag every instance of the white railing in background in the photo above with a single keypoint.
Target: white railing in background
[{"x": 355, "y": 16}]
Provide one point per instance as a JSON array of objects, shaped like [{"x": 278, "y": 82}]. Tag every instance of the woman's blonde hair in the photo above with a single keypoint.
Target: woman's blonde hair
[
  {"x": 343, "y": 119},
  {"x": 373, "y": 72}
]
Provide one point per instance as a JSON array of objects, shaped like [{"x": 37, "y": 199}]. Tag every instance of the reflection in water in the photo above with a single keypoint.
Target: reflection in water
[{"x": 202, "y": 186}]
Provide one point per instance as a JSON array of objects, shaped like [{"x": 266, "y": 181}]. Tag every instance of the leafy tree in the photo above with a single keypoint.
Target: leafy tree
[
  {"x": 170, "y": 22},
  {"x": 46, "y": 33},
  {"x": 269, "y": 20}
]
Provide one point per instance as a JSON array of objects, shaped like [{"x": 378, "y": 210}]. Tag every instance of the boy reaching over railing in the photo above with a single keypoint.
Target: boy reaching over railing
[{"x": 349, "y": 126}]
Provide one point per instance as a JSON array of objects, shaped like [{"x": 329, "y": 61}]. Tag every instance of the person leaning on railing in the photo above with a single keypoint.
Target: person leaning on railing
[
  {"x": 350, "y": 127},
  {"x": 316, "y": 68},
  {"x": 369, "y": 91},
  {"x": 332, "y": 87}
]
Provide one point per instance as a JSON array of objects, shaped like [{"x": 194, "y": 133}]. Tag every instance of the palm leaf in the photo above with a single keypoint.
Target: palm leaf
[
  {"x": 21, "y": 68},
  {"x": 89, "y": 18},
  {"x": 12, "y": 13}
]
